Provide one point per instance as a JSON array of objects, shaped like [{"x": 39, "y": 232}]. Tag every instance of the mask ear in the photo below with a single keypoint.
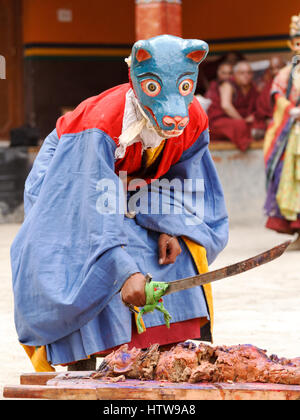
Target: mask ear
[
  {"x": 196, "y": 50},
  {"x": 140, "y": 52},
  {"x": 142, "y": 55}
]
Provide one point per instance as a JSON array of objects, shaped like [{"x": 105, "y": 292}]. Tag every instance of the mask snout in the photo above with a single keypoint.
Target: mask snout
[{"x": 175, "y": 123}]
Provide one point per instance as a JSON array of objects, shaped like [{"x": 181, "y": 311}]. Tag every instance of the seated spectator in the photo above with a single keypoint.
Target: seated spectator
[
  {"x": 210, "y": 67},
  {"x": 232, "y": 112},
  {"x": 208, "y": 70},
  {"x": 264, "y": 108},
  {"x": 224, "y": 74},
  {"x": 275, "y": 64}
]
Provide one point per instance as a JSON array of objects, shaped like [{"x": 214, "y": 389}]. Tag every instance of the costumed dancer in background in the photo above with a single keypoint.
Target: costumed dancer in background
[
  {"x": 76, "y": 249},
  {"x": 282, "y": 146}
]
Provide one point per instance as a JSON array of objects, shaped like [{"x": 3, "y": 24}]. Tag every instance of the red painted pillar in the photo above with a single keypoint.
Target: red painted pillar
[{"x": 157, "y": 17}]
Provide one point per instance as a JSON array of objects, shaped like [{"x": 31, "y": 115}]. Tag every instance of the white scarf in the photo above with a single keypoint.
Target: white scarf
[{"x": 136, "y": 127}]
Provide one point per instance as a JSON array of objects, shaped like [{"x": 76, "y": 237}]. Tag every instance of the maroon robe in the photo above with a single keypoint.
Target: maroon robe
[
  {"x": 264, "y": 108},
  {"x": 238, "y": 131}
]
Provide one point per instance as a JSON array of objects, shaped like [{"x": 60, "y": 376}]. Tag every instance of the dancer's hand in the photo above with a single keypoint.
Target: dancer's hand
[
  {"x": 133, "y": 290},
  {"x": 168, "y": 248}
]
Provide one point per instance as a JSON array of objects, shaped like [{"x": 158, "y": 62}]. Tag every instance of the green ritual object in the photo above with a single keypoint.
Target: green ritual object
[{"x": 154, "y": 291}]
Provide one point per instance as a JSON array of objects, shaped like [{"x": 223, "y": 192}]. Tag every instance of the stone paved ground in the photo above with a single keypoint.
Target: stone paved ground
[{"x": 261, "y": 307}]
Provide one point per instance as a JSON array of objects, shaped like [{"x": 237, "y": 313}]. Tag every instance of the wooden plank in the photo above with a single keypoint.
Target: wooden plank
[
  {"x": 155, "y": 390},
  {"x": 39, "y": 378},
  {"x": 227, "y": 145},
  {"x": 48, "y": 392},
  {"x": 78, "y": 388}
]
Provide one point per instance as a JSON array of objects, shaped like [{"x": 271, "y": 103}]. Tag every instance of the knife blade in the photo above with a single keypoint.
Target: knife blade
[{"x": 228, "y": 271}]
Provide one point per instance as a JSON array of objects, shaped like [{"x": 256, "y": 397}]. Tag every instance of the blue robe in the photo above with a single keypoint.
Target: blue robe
[{"x": 69, "y": 261}]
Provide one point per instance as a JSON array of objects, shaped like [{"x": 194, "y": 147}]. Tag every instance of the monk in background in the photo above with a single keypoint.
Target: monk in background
[
  {"x": 232, "y": 112},
  {"x": 209, "y": 71},
  {"x": 224, "y": 74}
]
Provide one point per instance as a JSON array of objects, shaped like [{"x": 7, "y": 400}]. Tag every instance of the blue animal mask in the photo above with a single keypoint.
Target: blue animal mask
[{"x": 164, "y": 73}]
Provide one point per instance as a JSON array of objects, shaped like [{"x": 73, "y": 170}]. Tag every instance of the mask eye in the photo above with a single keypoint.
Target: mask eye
[
  {"x": 151, "y": 87},
  {"x": 186, "y": 87}
]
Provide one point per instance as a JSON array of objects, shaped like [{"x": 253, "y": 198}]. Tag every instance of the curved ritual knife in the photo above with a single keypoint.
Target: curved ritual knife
[
  {"x": 230, "y": 270},
  {"x": 154, "y": 291}
]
